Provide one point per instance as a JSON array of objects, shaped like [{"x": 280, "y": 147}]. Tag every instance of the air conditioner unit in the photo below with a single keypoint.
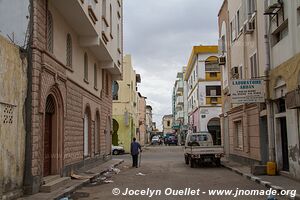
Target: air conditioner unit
[
  {"x": 235, "y": 73},
  {"x": 273, "y": 5},
  {"x": 249, "y": 27},
  {"x": 222, "y": 60}
]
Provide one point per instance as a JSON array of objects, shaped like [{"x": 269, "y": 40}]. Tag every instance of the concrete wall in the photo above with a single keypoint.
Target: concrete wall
[{"x": 13, "y": 91}]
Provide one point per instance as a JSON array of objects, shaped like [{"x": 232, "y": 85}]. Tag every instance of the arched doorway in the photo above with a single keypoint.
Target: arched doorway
[
  {"x": 115, "y": 138},
  {"x": 87, "y": 133},
  {"x": 52, "y": 137},
  {"x": 97, "y": 133},
  {"x": 108, "y": 136},
  {"x": 214, "y": 128}
]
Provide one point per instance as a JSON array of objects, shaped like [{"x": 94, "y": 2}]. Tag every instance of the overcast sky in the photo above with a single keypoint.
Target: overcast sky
[{"x": 160, "y": 34}]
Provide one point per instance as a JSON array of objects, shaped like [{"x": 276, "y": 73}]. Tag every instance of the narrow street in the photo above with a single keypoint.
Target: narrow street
[{"x": 163, "y": 167}]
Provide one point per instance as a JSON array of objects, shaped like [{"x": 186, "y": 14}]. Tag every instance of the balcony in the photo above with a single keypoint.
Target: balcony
[
  {"x": 179, "y": 116},
  {"x": 179, "y": 87},
  {"x": 213, "y": 100},
  {"x": 178, "y": 107},
  {"x": 179, "y": 100},
  {"x": 75, "y": 15}
]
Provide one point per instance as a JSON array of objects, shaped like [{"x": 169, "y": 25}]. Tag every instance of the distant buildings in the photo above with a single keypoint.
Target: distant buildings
[
  {"x": 167, "y": 122},
  {"x": 180, "y": 124},
  {"x": 129, "y": 109}
]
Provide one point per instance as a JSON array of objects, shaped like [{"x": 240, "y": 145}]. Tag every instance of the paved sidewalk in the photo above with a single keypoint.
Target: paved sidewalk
[
  {"x": 276, "y": 182},
  {"x": 75, "y": 184}
]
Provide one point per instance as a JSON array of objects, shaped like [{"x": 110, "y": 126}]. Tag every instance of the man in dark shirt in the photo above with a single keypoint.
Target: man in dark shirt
[{"x": 135, "y": 147}]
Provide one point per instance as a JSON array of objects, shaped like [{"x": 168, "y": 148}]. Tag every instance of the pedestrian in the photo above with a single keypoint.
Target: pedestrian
[{"x": 135, "y": 149}]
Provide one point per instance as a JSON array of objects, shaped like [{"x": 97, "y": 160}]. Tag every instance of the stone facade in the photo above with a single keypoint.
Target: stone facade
[{"x": 79, "y": 117}]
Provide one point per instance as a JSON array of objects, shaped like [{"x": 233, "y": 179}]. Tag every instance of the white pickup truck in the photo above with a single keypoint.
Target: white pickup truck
[{"x": 199, "y": 149}]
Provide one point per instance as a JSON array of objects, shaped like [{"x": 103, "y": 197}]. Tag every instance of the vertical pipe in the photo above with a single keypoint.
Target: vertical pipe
[{"x": 270, "y": 114}]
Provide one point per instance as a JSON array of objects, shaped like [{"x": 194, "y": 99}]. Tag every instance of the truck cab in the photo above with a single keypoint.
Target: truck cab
[{"x": 199, "y": 148}]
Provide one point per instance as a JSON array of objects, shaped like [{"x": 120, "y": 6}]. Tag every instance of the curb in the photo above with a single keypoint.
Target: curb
[
  {"x": 258, "y": 180},
  {"x": 75, "y": 187}
]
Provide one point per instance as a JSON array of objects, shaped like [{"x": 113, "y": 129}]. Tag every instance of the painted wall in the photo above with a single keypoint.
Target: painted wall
[
  {"x": 125, "y": 109},
  {"x": 13, "y": 90}
]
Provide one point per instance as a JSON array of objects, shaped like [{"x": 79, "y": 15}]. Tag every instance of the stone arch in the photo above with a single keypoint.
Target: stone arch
[
  {"x": 115, "y": 138},
  {"x": 108, "y": 135},
  {"x": 214, "y": 128},
  {"x": 97, "y": 136},
  {"x": 87, "y": 131},
  {"x": 53, "y": 132}
]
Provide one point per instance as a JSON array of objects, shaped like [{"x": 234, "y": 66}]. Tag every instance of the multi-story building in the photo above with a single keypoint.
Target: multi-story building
[
  {"x": 149, "y": 122},
  {"x": 180, "y": 111},
  {"x": 125, "y": 106},
  {"x": 283, "y": 67},
  {"x": 141, "y": 134},
  {"x": 203, "y": 79},
  {"x": 167, "y": 123},
  {"x": 243, "y": 57},
  {"x": 75, "y": 52}
]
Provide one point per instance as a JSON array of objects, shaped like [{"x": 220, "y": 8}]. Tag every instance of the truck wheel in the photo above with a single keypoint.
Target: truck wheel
[
  {"x": 186, "y": 160},
  {"x": 192, "y": 163},
  {"x": 218, "y": 162}
]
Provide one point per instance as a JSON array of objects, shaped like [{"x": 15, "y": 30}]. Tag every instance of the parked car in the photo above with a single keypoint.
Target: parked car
[
  {"x": 172, "y": 139},
  {"x": 199, "y": 148},
  {"x": 117, "y": 150},
  {"x": 155, "y": 140}
]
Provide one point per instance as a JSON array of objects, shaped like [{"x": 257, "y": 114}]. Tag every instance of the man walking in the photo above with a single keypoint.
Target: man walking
[{"x": 135, "y": 147}]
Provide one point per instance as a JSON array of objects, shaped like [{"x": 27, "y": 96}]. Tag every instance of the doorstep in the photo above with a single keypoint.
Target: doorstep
[{"x": 74, "y": 184}]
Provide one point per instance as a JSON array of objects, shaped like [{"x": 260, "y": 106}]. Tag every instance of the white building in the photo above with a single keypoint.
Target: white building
[{"x": 203, "y": 78}]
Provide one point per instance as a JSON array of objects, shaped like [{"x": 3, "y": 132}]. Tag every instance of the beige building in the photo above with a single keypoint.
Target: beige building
[
  {"x": 75, "y": 52},
  {"x": 141, "y": 134},
  {"x": 283, "y": 69},
  {"x": 243, "y": 57},
  {"x": 167, "y": 122},
  {"x": 125, "y": 106}
]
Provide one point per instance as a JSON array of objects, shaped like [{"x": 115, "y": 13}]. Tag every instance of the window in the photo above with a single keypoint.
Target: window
[
  {"x": 232, "y": 30},
  {"x": 212, "y": 91},
  {"x": 69, "y": 51},
  {"x": 118, "y": 36},
  {"x": 251, "y": 7},
  {"x": 281, "y": 33},
  {"x": 115, "y": 90},
  {"x": 49, "y": 32},
  {"x": 241, "y": 74},
  {"x": 97, "y": 133},
  {"x": 168, "y": 123},
  {"x": 107, "y": 84},
  {"x": 95, "y": 76},
  {"x": 86, "y": 67},
  {"x": 111, "y": 19},
  {"x": 213, "y": 74},
  {"x": 87, "y": 132},
  {"x": 239, "y": 134},
  {"x": 298, "y": 16},
  {"x": 254, "y": 68},
  {"x": 238, "y": 19},
  {"x": 103, "y": 8}
]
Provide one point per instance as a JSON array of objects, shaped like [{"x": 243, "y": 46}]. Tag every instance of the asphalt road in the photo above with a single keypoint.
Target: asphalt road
[{"x": 165, "y": 176}]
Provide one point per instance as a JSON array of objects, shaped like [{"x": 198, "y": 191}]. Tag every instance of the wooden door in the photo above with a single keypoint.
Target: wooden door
[{"x": 47, "y": 144}]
